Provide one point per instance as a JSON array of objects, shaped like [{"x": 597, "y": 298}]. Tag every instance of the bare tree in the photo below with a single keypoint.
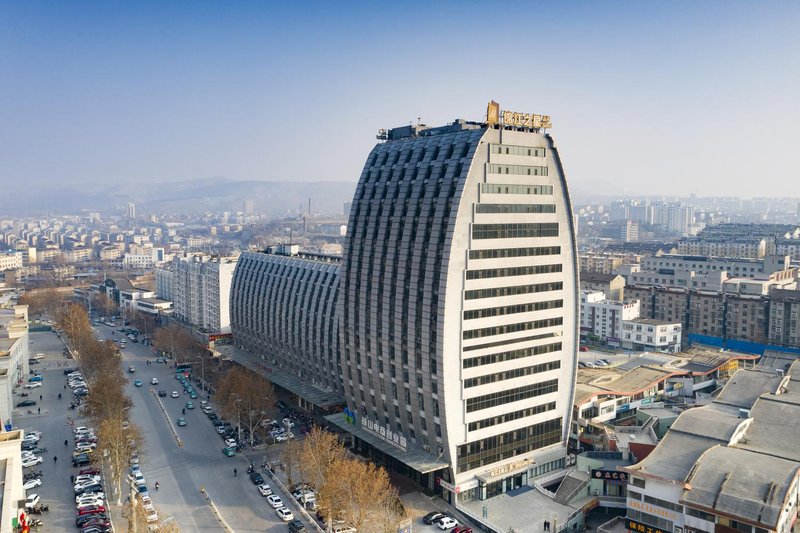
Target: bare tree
[
  {"x": 74, "y": 322},
  {"x": 42, "y": 302},
  {"x": 289, "y": 458},
  {"x": 358, "y": 490},
  {"x": 136, "y": 514},
  {"x": 104, "y": 304},
  {"x": 117, "y": 440},
  {"x": 108, "y": 399},
  {"x": 246, "y": 396},
  {"x": 319, "y": 451}
]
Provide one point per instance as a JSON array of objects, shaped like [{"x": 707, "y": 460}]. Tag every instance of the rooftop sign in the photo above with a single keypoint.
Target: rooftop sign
[{"x": 513, "y": 118}]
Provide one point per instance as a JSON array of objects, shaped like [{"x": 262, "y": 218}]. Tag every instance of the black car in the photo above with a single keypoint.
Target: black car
[
  {"x": 81, "y": 460},
  {"x": 29, "y": 446},
  {"x": 26, "y": 403},
  {"x": 296, "y": 525},
  {"x": 82, "y": 521},
  {"x": 256, "y": 478},
  {"x": 33, "y": 361},
  {"x": 69, "y": 370},
  {"x": 433, "y": 516},
  {"x": 162, "y": 394},
  {"x": 96, "y": 529}
]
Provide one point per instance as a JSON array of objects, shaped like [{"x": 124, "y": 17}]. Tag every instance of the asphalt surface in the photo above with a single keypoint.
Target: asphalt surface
[{"x": 180, "y": 470}]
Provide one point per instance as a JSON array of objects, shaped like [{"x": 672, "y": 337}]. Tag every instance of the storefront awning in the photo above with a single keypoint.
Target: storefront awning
[{"x": 416, "y": 458}]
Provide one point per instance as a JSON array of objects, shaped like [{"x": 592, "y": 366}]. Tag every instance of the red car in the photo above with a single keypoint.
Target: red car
[
  {"x": 461, "y": 529},
  {"x": 584, "y": 348},
  {"x": 92, "y": 509},
  {"x": 89, "y": 471}
]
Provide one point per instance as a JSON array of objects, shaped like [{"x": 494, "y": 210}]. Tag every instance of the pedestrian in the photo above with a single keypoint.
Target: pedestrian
[
  {"x": 66, "y": 442},
  {"x": 39, "y": 410},
  {"x": 65, "y": 387},
  {"x": 72, "y": 479},
  {"x": 55, "y": 459},
  {"x": 40, "y": 397},
  {"x": 59, "y": 395},
  {"x": 235, "y": 472}
]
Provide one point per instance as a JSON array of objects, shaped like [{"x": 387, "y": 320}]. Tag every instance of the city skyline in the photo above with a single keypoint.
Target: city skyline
[{"x": 151, "y": 93}]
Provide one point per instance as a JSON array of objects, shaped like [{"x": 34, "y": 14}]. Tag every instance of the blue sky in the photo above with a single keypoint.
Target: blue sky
[{"x": 664, "y": 98}]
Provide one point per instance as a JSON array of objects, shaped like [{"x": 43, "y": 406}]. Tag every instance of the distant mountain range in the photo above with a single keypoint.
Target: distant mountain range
[{"x": 275, "y": 198}]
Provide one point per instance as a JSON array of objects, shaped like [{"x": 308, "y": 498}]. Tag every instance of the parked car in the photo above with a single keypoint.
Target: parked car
[
  {"x": 284, "y": 514},
  {"x": 265, "y": 490},
  {"x": 433, "y": 517},
  {"x": 26, "y": 403},
  {"x": 275, "y": 501},
  {"x": 131, "y": 369},
  {"x": 296, "y": 526},
  {"x": 447, "y": 522}
]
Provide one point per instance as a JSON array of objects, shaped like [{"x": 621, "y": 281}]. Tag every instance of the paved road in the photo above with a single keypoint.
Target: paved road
[{"x": 182, "y": 471}]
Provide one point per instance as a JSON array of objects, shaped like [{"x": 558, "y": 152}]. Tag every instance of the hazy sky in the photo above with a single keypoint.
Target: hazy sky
[{"x": 645, "y": 97}]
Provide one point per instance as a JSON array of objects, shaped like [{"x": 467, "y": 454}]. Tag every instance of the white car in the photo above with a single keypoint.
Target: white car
[
  {"x": 39, "y": 355},
  {"x": 154, "y": 381},
  {"x": 138, "y": 477},
  {"x": 89, "y": 503},
  {"x": 31, "y": 501},
  {"x": 265, "y": 490},
  {"x": 87, "y": 477},
  {"x": 152, "y": 516},
  {"x": 447, "y": 523},
  {"x": 30, "y": 438},
  {"x": 89, "y": 496},
  {"x": 32, "y": 385},
  {"x": 33, "y": 433},
  {"x": 230, "y": 442},
  {"x": 32, "y": 483},
  {"x": 28, "y": 462},
  {"x": 288, "y": 422},
  {"x": 284, "y": 514},
  {"x": 275, "y": 501},
  {"x": 175, "y": 394}
]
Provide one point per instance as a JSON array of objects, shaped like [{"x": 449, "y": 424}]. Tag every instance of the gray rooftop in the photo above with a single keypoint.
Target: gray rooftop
[
  {"x": 744, "y": 388},
  {"x": 741, "y": 483},
  {"x": 743, "y": 474}
]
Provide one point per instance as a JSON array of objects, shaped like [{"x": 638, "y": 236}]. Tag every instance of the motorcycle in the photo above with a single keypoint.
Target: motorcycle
[
  {"x": 39, "y": 508},
  {"x": 32, "y": 475},
  {"x": 36, "y": 522},
  {"x": 23, "y": 393}
]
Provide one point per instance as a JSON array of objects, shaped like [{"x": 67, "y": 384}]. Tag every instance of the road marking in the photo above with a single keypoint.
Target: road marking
[
  {"x": 169, "y": 420},
  {"x": 216, "y": 511}
]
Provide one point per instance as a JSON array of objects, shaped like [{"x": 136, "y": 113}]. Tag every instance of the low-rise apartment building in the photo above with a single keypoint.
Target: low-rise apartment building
[
  {"x": 649, "y": 335},
  {"x": 612, "y": 285},
  {"x": 601, "y": 319}
]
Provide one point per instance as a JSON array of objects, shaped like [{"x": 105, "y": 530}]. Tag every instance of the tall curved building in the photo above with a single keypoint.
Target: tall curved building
[
  {"x": 458, "y": 306},
  {"x": 283, "y": 309}
]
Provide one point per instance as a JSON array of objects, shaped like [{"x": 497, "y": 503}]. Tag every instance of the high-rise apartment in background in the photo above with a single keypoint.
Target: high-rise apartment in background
[
  {"x": 131, "y": 211},
  {"x": 249, "y": 207},
  {"x": 458, "y": 305}
]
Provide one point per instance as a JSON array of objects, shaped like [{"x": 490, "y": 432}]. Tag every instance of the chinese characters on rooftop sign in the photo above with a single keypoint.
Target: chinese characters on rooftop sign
[{"x": 512, "y": 118}]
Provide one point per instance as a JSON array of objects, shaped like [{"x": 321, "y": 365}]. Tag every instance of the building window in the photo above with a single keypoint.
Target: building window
[
  {"x": 499, "y": 188},
  {"x": 515, "y": 208},
  {"x": 513, "y": 309},
  {"x": 511, "y": 374},
  {"x": 506, "y": 445},
  {"x": 515, "y": 290},
  {"x": 501, "y": 253},
  {"x": 512, "y": 328},
  {"x": 511, "y": 355},
  {"x": 518, "y": 170},
  {"x": 511, "y": 149},
  {"x": 512, "y": 395},
  {"x": 514, "y": 231},
  {"x": 510, "y": 417}
]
